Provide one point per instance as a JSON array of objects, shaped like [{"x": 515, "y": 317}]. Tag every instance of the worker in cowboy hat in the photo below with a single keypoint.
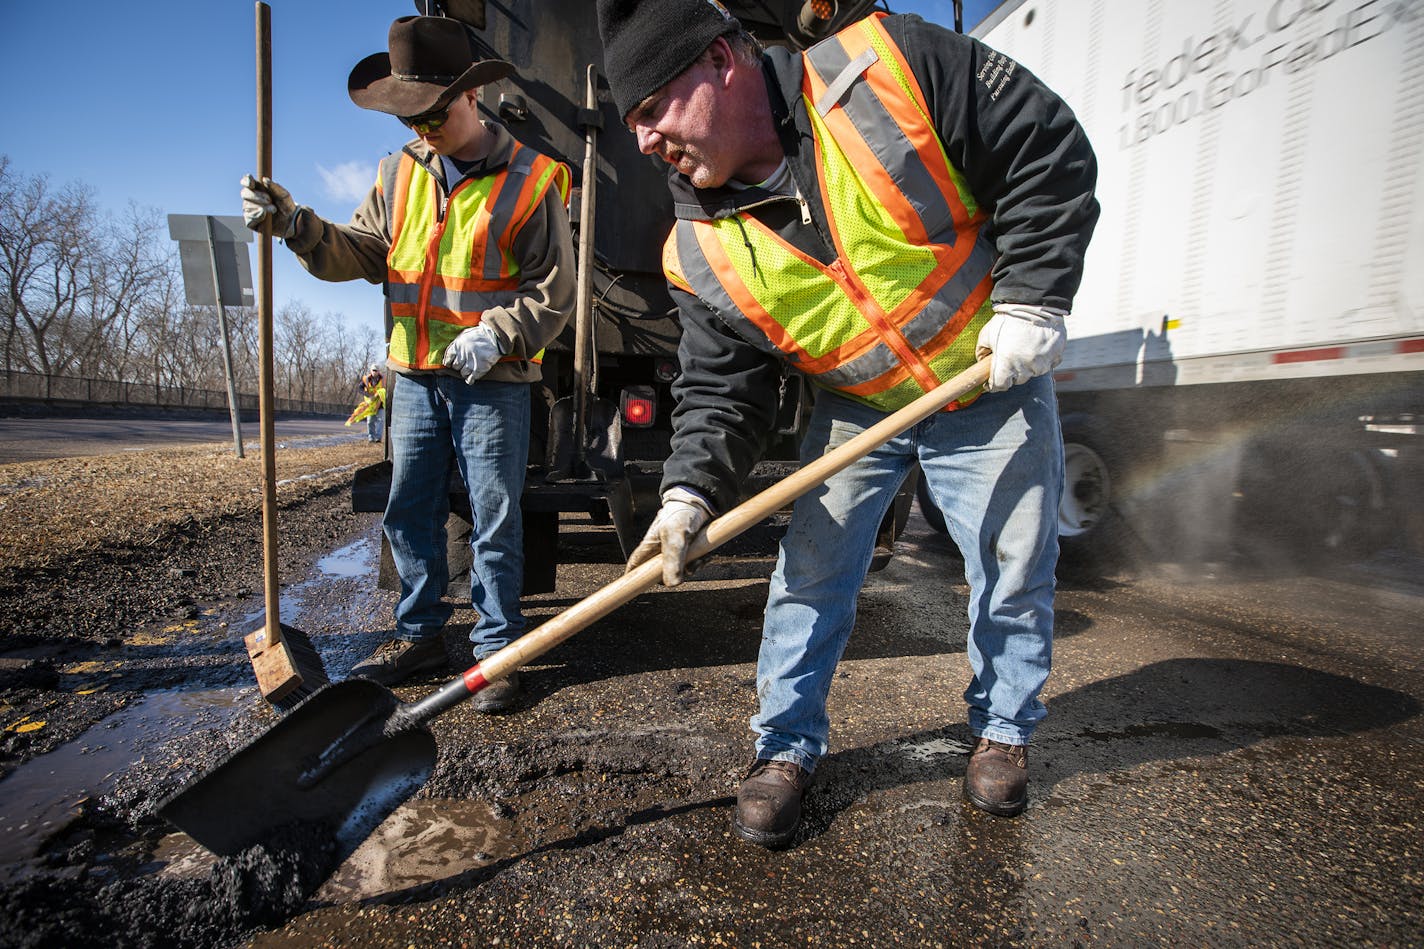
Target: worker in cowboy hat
[{"x": 469, "y": 231}]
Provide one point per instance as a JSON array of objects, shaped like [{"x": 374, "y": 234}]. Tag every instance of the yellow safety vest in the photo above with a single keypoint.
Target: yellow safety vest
[
  {"x": 899, "y": 309},
  {"x": 452, "y": 259}
]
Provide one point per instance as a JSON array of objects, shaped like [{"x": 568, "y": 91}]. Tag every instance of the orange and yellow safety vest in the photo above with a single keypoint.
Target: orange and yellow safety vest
[
  {"x": 452, "y": 259},
  {"x": 899, "y": 309}
]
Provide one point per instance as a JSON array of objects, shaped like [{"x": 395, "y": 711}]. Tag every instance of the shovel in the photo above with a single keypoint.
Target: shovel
[{"x": 345, "y": 758}]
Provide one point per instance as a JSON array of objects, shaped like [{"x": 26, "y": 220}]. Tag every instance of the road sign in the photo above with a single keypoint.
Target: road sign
[
  {"x": 205, "y": 242},
  {"x": 216, "y": 272}
]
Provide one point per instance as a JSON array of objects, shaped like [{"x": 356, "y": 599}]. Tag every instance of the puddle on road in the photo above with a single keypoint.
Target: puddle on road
[
  {"x": 422, "y": 842},
  {"x": 47, "y": 794},
  {"x": 353, "y": 560},
  {"x": 42, "y": 796},
  {"x": 338, "y": 597}
]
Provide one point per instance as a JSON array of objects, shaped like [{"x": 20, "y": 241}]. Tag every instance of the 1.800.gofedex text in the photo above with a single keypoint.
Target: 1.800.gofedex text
[{"x": 1200, "y": 62}]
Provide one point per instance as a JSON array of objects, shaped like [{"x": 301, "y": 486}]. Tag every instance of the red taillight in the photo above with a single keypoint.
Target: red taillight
[{"x": 638, "y": 405}]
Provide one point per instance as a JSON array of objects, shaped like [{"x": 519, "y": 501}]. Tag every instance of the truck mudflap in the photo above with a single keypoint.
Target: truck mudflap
[{"x": 585, "y": 471}]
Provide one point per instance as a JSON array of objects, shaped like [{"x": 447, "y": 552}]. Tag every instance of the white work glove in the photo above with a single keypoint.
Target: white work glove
[
  {"x": 684, "y": 513},
  {"x": 263, "y": 199},
  {"x": 474, "y": 352},
  {"x": 1026, "y": 341}
]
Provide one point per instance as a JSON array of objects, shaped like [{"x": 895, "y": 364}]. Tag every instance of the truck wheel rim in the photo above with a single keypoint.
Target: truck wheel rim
[{"x": 1086, "y": 491}]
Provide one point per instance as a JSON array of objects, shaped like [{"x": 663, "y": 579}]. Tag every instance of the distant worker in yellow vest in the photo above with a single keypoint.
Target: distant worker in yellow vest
[
  {"x": 873, "y": 212},
  {"x": 469, "y": 230},
  {"x": 372, "y": 407}
]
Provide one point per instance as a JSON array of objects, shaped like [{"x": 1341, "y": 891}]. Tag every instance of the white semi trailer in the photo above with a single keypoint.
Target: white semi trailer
[{"x": 1244, "y": 376}]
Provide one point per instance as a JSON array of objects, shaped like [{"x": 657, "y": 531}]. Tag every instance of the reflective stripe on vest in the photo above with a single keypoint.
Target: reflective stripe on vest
[
  {"x": 446, "y": 266},
  {"x": 900, "y": 308}
]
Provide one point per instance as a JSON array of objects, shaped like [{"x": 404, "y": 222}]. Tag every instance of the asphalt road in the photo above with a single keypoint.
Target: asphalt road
[
  {"x": 41, "y": 438},
  {"x": 1228, "y": 760},
  {"x": 1232, "y": 761}
]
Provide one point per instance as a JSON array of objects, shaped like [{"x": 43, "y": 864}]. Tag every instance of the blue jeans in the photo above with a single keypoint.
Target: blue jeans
[
  {"x": 484, "y": 427},
  {"x": 995, "y": 468}
]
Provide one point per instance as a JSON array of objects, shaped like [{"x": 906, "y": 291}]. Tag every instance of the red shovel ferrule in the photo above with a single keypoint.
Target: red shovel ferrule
[{"x": 474, "y": 679}]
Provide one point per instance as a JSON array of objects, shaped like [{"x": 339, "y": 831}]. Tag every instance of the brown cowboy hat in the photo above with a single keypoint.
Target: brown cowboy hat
[{"x": 431, "y": 60}]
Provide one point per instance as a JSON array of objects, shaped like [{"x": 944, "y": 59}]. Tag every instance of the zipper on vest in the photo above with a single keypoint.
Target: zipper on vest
[
  {"x": 432, "y": 259},
  {"x": 805, "y": 208},
  {"x": 841, "y": 276}
]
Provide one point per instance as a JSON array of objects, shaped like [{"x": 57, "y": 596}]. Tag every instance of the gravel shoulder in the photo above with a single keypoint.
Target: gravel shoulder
[
  {"x": 105, "y": 555},
  {"x": 121, "y": 579}
]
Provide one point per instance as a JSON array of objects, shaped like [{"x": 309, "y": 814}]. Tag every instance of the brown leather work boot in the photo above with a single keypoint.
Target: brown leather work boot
[
  {"x": 499, "y": 696},
  {"x": 997, "y": 778},
  {"x": 769, "y": 802},
  {"x": 396, "y": 660}
]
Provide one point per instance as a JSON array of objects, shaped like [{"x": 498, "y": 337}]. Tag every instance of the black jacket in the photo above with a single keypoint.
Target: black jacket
[{"x": 1026, "y": 160}]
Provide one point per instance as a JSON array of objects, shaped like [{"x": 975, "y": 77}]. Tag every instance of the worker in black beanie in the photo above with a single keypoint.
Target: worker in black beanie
[
  {"x": 873, "y": 214},
  {"x": 648, "y": 43}
]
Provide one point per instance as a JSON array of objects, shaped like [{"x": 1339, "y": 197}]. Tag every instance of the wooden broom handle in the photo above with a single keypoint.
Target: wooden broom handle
[{"x": 265, "y": 383}]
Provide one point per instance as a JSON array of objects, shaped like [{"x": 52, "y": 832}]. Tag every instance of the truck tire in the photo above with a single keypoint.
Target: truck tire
[{"x": 1088, "y": 536}]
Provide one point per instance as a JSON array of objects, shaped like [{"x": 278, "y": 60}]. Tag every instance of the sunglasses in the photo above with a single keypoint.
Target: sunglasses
[{"x": 427, "y": 122}]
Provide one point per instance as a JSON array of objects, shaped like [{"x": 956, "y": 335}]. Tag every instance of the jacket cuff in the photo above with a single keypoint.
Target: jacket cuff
[
  {"x": 682, "y": 492},
  {"x": 302, "y": 233}
]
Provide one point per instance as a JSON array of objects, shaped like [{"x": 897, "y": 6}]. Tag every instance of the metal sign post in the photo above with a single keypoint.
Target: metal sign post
[{"x": 221, "y": 244}]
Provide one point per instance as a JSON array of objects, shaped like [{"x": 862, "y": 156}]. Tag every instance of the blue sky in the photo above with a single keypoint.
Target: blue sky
[{"x": 154, "y": 104}]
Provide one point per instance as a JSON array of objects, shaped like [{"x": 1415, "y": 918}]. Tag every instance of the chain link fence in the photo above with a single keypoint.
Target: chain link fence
[{"x": 19, "y": 386}]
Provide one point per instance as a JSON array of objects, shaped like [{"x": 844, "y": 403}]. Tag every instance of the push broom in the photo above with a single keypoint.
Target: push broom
[{"x": 287, "y": 666}]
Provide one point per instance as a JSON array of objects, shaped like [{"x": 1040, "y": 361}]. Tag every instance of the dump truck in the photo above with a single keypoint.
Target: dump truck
[
  {"x": 602, "y": 426},
  {"x": 1244, "y": 372}
]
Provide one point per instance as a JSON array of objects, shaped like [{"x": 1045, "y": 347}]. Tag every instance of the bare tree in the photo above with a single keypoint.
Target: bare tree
[
  {"x": 101, "y": 296},
  {"x": 297, "y": 345},
  {"x": 132, "y": 273},
  {"x": 43, "y": 240},
  {"x": 318, "y": 359},
  {"x": 74, "y": 282}
]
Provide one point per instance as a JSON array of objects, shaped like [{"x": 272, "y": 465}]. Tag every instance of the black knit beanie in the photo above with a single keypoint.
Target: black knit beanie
[{"x": 647, "y": 43}]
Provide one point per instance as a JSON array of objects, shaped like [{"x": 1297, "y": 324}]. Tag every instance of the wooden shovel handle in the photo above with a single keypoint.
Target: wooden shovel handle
[{"x": 745, "y": 515}]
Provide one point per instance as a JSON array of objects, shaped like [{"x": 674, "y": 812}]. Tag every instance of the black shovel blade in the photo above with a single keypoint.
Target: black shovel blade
[{"x": 327, "y": 765}]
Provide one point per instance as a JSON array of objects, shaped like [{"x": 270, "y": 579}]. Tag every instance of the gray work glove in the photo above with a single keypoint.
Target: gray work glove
[
  {"x": 474, "y": 352},
  {"x": 1026, "y": 341},
  {"x": 683, "y": 515},
  {"x": 264, "y": 199}
]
